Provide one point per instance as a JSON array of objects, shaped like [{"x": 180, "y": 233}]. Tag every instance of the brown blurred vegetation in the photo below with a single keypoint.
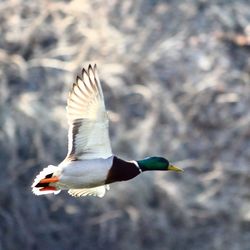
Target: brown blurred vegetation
[{"x": 176, "y": 80}]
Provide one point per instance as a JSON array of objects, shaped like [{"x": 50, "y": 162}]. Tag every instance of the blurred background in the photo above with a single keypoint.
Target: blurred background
[{"x": 176, "y": 79}]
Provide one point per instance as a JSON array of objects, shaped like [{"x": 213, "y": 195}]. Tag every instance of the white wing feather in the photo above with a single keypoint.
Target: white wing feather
[
  {"x": 97, "y": 191},
  {"x": 88, "y": 121}
]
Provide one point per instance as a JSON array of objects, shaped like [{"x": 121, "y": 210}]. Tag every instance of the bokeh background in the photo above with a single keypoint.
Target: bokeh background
[{"x": 176, "y": 80}]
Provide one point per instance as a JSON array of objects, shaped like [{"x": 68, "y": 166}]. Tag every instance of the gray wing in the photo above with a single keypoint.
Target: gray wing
[{"x": 88, "y": 136}]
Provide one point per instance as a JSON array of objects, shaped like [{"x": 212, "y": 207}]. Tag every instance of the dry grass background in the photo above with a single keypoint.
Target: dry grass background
[{"x": 176, "y": 79}]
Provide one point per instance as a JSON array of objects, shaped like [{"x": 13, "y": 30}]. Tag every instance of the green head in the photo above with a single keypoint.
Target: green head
[{"x": 157, "y": 163}]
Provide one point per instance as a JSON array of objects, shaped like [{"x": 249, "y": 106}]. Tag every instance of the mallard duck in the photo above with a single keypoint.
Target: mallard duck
[{"x": 90, "y": 166}]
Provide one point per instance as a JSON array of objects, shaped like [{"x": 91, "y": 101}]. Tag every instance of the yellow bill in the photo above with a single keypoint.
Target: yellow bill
[{"x": 174, "y": 168}]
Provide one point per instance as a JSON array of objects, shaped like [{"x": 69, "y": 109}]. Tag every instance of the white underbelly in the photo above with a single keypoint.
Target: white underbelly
[{"x": 84, "y": 174}]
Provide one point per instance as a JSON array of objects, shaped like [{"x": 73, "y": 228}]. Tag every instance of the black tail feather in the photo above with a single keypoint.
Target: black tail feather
[{"x": 38, "y": 185}]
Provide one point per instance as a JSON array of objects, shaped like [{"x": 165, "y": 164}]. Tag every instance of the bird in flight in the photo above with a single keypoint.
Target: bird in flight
[{"x": 90, "y": 166}]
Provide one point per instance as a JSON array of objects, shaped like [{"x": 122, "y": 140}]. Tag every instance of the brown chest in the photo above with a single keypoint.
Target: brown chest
[{"x": 121, "y": 171}]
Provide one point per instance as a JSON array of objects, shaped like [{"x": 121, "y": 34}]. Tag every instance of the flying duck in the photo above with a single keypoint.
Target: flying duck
[{"x": 90, "y": 166}]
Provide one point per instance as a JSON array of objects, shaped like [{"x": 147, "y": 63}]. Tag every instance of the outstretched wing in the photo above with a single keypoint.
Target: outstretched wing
[{"x": 88, "y": 121}]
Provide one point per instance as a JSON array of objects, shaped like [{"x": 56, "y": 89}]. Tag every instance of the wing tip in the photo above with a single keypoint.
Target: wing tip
[
  {"x": 83, "y": 72},
  {"x": 91, "y": 67},
  {"x": 78, "y": 78}
]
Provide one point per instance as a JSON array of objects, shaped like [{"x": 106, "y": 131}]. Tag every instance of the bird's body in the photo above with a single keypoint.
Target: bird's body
[
  {"x": 85, "y": 173},
  {"x": 90, "y": 165}
]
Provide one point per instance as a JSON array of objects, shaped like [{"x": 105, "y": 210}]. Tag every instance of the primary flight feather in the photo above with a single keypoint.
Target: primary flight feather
[{"x": 90, "y": 165}]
